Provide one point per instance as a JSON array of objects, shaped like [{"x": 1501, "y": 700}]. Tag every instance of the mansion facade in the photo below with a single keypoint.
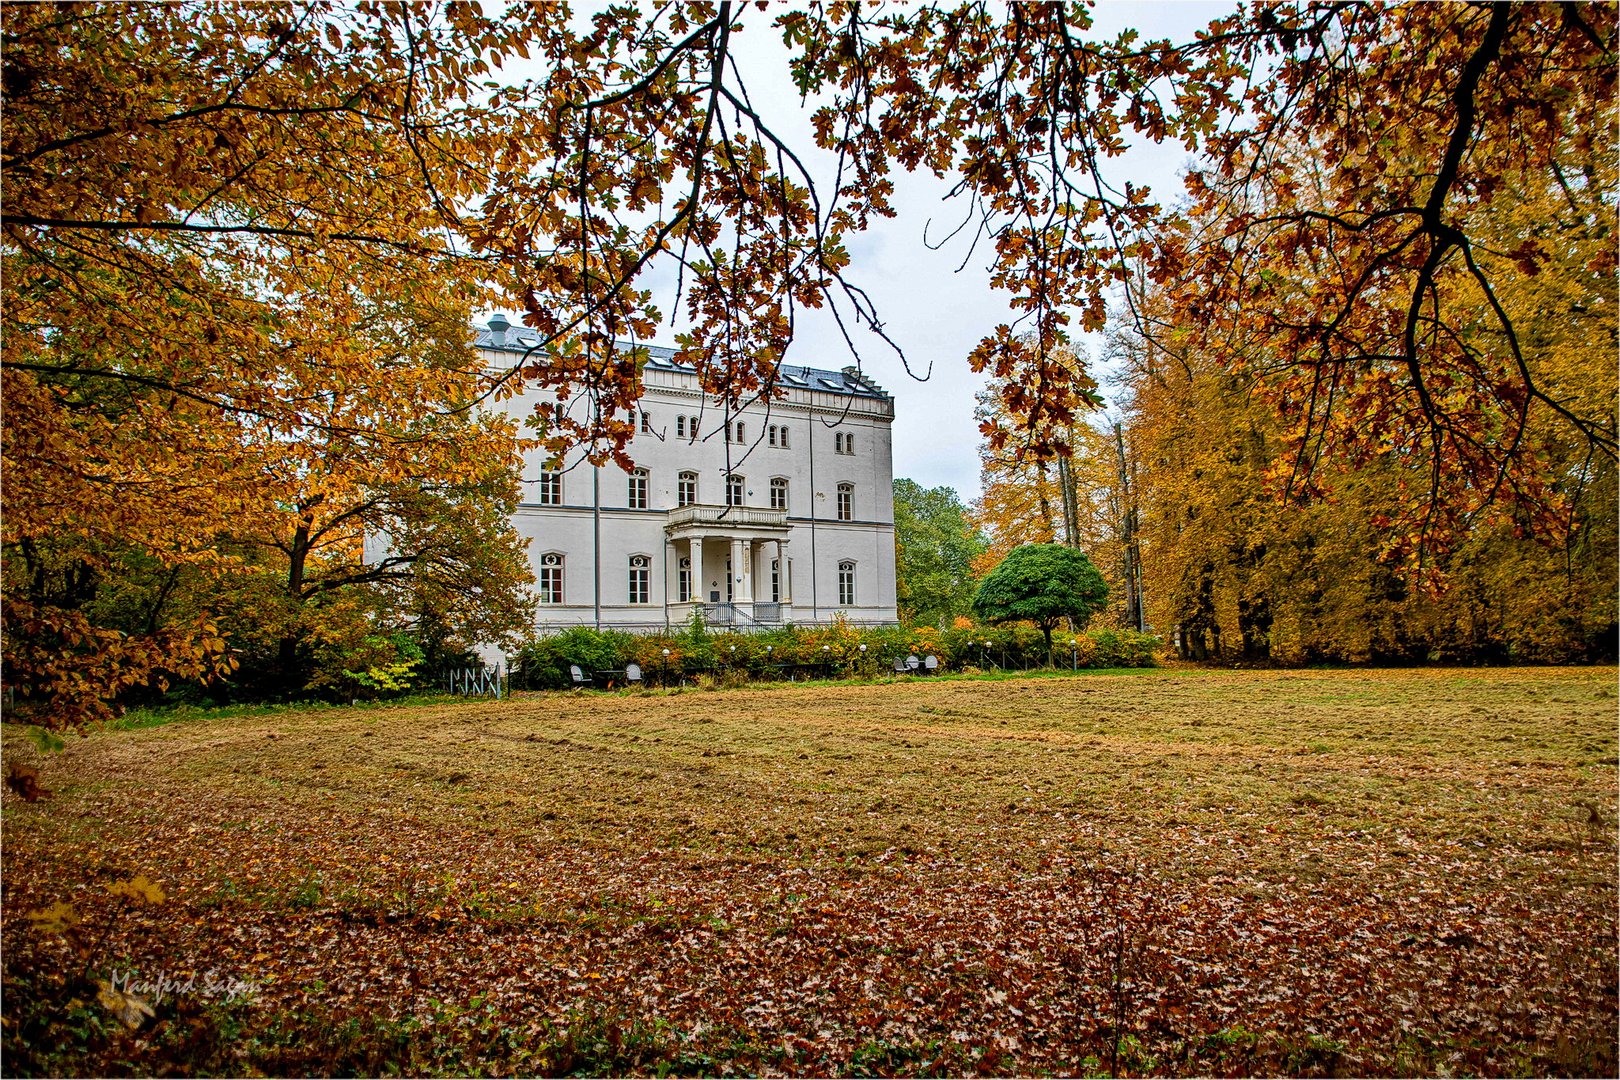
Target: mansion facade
[{"x": 780, "y": 512}]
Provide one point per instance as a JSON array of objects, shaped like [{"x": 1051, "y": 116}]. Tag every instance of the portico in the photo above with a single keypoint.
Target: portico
[{"x": 731, "y": 562}]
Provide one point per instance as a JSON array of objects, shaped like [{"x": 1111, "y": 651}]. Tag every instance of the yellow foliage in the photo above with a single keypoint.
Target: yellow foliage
[
  {"x": 59, "y": 918},
  {"x": 139, "y": 888}
]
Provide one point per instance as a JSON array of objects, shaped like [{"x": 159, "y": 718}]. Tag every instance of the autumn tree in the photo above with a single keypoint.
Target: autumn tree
[
  {"x": 1043, "y": 584},
  {"x": 1358, "y": 281},
  {"x": 217, "y": 218},
  {"x": 1029, "y": 493},
  {"x": 935, "y": 549},
  {"x": 1235, "y": 573}
]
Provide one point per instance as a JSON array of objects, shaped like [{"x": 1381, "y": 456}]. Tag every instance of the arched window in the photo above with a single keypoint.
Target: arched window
[
  {"x": 846, "y": 502},
  {"x": 551, "y": 578},
  {"x": 781, "y": 434},
  {"x": 779, "y": 493},
  {"x": 686, "y": 489},
  {"x": 646, "y": 422},
  {"x": 680, "y": 427},
  {"x": 691, "y": 427},
  {"x": 846, "y": 583},
  {"x": 734, "y": 490},
  {"x": 640, "y": 578},
  {"x": 638, "y": 489}
]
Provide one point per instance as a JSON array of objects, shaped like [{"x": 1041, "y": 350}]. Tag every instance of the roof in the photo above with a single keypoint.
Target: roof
[{"x": 848, "y": 381}]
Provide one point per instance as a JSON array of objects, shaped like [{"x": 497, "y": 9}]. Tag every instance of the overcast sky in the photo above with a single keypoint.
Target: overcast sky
[{"x": 934, "y": 312}]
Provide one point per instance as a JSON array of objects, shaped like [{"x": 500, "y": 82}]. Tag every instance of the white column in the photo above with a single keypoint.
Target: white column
[
  {"x": 782, "y": 571},
  {"x": 742, "y": 559},
  {"x": 700, "y": 584}
]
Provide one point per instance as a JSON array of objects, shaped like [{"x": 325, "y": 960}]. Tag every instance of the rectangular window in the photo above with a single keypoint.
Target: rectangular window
[
  {"x": 734, "y": 491},
  {"x": 686, "y": 489},
  {"x": 684, "y": 581},
  {"x": 846, "y": 502},
  {"x": 846, "y": 584},
  {"x": 776, "y": 581},
  {"x": 779, "y": 493},
  {"x": 638, "y": 490},
  {"x": 640, "y": 578},
  {"x": 550, "y": 488},
  {"x": 551, "y": 579}
]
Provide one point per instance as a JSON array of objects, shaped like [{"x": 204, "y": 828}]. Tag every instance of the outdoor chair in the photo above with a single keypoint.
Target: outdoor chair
[
  {"x": 912, "y": 663},
  {"x": 901, "y": 667},
  {"x": 632, "y": 673},
  {"x": 578, "y": 675},
  {"x": 931, "y": 664}
]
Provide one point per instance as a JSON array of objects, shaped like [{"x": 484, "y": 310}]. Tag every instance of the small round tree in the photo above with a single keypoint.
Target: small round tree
[{"x": 1042, "y": 584}]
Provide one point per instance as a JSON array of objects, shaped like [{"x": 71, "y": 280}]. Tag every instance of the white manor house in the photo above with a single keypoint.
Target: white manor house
[{"x": 782, "y": 512}]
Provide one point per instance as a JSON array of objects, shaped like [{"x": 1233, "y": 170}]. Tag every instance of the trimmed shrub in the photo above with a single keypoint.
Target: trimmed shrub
[{"x": 731, "y": 657}]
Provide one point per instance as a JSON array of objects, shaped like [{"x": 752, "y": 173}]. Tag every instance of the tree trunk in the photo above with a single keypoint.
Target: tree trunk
[
  {"x": 289, "y": 674},
  {"x": 1135, "y": 613},
  {"x": 1071, "y": 502}
]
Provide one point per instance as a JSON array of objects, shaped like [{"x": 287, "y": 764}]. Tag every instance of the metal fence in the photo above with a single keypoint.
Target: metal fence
[{"x": 475, "y": 682}]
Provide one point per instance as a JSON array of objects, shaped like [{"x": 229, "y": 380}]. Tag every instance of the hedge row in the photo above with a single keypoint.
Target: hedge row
[{"x": 543, "y": 663}]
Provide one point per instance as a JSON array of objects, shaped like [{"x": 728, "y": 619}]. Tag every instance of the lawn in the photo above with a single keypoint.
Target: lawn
[{"x": 1171, "y": 871}]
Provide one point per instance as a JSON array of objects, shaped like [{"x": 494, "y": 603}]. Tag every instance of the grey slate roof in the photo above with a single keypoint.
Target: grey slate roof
[{"x": 661, "y": 358}]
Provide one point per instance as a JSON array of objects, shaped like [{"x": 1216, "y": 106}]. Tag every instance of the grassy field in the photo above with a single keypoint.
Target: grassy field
[{"x": 1157, "y": 872}]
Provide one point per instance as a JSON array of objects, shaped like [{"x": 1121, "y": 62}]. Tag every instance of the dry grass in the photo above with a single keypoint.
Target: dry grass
[{"x": 895, "y": 816}]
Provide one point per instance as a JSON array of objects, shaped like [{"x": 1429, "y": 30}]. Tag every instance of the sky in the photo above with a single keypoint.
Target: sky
[{"x": 935, "y": 312}]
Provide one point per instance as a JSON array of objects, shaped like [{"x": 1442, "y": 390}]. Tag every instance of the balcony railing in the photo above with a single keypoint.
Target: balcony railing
[
  {"x": 759, "y": 613},
  {"x": 706, "y": 514}
]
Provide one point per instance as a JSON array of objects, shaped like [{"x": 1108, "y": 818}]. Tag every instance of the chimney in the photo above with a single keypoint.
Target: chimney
[{"x": 498, "y": 326}]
